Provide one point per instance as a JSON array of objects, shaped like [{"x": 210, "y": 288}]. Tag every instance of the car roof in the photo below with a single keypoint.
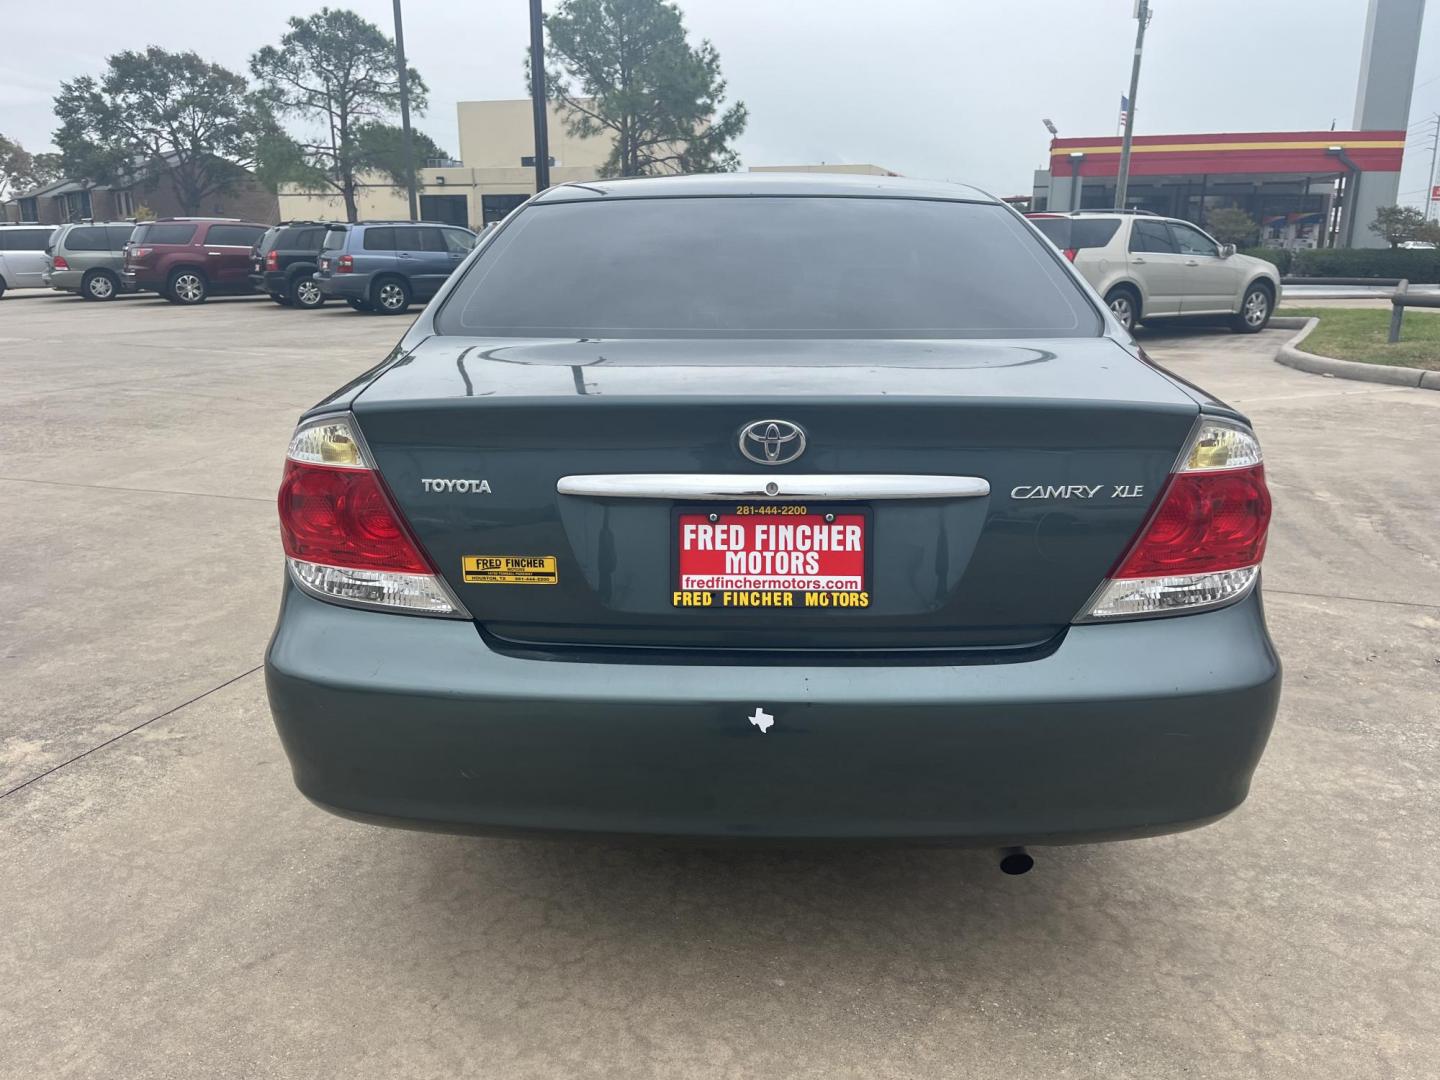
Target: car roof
[
  {"x": 1097, "y": 213},
  {"x": 849, "y": 185},
  {"x": 392, "y": 221}
]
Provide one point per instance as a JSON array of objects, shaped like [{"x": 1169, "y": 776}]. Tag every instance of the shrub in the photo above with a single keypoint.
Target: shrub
[
  {"x": 1280, "y": 257},
  {"x": 1231, "y": 225},
  {"x": 1421, "y": 267}
]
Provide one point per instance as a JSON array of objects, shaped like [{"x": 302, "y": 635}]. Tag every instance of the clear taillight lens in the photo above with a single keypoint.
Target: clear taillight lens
[
  {"x": 343, "y": 537},
  {"x": 1202, "y": 544}
]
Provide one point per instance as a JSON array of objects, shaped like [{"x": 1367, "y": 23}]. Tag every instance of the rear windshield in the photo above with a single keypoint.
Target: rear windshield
[
  {"x": 335, "y": 239},
  {"x": 1077, "y": 233},
  {"x": 162, "y": 233},
  {"x": 810, "y": 267}
]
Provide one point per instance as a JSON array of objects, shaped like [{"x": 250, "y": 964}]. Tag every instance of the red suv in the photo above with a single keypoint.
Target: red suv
[{"x": 186, "y": 260}]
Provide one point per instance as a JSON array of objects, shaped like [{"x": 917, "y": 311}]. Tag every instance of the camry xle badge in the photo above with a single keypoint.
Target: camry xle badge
[
  {"x": 1076, "y": 491},
  {"x": 761, "y": 719},
  {"x": 772, "y": 442}
]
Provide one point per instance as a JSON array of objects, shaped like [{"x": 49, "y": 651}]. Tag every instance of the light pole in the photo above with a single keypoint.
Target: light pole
[
  {"x": 407, "y": 141},
  {"x": 537, "y": 96},
  {"x": 1434, "y": 147},
  {"x": 1122, "y": 181}
]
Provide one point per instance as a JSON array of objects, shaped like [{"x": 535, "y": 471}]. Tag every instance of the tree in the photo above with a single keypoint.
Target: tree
[
  {"x": 624, "y": 68},
  {"x": 165, "y": 113},
  {"x": 21, "y": 170},
  {"x": 337, "y": 69},
  {"x": 381, "y": 148},
  {"x": 1231, "y": 225},
  {"x": 1397, "y": 224}
]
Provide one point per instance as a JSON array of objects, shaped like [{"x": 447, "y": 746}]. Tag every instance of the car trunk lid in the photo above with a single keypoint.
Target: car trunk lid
[{"x": 1074, "y": 438}]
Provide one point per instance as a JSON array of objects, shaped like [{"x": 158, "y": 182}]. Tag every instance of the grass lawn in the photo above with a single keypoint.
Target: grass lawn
[{"x": 1360, "y": 333}]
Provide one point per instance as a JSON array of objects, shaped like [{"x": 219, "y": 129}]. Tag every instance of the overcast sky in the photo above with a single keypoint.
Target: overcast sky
[{"x": 949, "y": 89}]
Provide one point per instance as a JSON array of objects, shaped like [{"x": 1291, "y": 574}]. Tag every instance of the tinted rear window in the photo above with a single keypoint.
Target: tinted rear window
[
  {"x": 119, "y": 235},
  {"x": 24, "y": 239},
  {"x": 335, "y": 239},
  {"x": 1077, "y": 233},
  {"x": 379, "y": 240},
  {"x": 767, "y": 267},
  {"x": 164, "y": 233},
  {"x": 86, "y": 238},
  {"x": 297, "y": 238},
  {"x": 234, "y": 235}
]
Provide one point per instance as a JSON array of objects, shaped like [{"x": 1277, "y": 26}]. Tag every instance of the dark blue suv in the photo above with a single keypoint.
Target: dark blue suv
[{"x": 384, "y": 265}]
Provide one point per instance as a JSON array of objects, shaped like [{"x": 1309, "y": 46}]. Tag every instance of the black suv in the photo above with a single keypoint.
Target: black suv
[{"x": 283, "y": 262}]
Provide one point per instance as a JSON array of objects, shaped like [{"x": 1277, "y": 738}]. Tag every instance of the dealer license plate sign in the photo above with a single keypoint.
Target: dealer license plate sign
[{"x": 772, "y": 555}]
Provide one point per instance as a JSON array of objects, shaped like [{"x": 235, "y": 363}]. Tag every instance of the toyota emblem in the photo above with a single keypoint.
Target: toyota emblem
[{"x": 772, "y": 442}]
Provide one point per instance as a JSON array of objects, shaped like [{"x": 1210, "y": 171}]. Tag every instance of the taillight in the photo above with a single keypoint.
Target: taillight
[
  {"x": 59, "y": 263},
  {"x": 1070, "y": 254},
  {"x": 345, "y": 264},
  {"x": 272, "y": 260},
  {"x": 1202, "y": 544},
  {"x": 140, "y": 252},
  {"x": 344, "y": 539}
]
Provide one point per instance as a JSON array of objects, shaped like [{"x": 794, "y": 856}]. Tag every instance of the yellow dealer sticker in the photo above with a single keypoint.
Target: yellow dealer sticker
[{"x": 510, "y": 569}]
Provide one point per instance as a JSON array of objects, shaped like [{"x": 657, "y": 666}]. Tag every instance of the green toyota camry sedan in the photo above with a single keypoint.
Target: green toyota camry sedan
[{"x": 784, "y": 507}]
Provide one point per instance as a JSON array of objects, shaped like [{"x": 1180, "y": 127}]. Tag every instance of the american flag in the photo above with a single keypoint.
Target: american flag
[{"x": 1124, "y": 109}]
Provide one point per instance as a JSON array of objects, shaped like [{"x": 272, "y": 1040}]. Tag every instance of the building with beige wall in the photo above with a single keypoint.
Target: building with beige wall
[
  {"x": 496, "y": 138},
  {"x": 496, "y": 171}
]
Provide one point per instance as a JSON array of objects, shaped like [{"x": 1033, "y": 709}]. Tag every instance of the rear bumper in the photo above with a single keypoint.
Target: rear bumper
[
  {"x": 70, "y": 280},
  {"x": 1126, "y": 730},
  {"x": 345, "y": 286},
  {"x": 131, "y": 281},
  {"x": 270, "y": 281}
]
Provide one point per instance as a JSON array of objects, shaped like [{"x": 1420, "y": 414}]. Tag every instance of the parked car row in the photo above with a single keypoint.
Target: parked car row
[{"x": 380, "y": 266}]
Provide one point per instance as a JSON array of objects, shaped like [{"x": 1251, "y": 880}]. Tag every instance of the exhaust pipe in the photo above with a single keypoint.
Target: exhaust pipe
[{"x": 1015, "y": 860}]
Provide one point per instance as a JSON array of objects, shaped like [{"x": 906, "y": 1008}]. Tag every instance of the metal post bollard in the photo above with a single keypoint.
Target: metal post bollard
[{"x": 1397, "y": 309}]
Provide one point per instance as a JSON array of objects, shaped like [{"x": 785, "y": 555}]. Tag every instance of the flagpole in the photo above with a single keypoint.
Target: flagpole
[{"x": 1122, "y": 181}]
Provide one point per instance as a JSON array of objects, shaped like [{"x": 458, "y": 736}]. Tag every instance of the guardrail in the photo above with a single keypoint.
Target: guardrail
[
  {"x": 1401, "y": 300},
  {"x": 1377, "y": 282}
]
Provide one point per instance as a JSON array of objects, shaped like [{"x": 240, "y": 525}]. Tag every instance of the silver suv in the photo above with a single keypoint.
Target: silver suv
[
  {"x": 1149, "y": 268},
  {"x": 22, "y": 256},
  {"x": 86, "y": 258}
]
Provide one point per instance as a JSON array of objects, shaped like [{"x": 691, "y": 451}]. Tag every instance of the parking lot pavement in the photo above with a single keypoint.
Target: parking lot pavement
[{"x": 172, "y": 907}]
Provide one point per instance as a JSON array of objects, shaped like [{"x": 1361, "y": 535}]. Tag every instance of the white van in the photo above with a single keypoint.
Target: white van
[{"x": 22, "y": 256}]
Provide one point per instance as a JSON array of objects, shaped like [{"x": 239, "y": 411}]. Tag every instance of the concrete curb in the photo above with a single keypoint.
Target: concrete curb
[{"x": 1291, "y": 355}]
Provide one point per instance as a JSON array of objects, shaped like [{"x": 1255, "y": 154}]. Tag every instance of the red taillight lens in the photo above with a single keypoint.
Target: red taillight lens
[
  {"x": 1070, "y": 254},
  {"x": 1201, "y": 546},
  {"x": 341, "y": 517},
  {"x": 1206, "y": 522},
  {"x": 60, "y": 263},
  {"x": 345, "y": 264},
  {"x": 272, "y": 260},
  {"x": 140, "y": 252}
]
